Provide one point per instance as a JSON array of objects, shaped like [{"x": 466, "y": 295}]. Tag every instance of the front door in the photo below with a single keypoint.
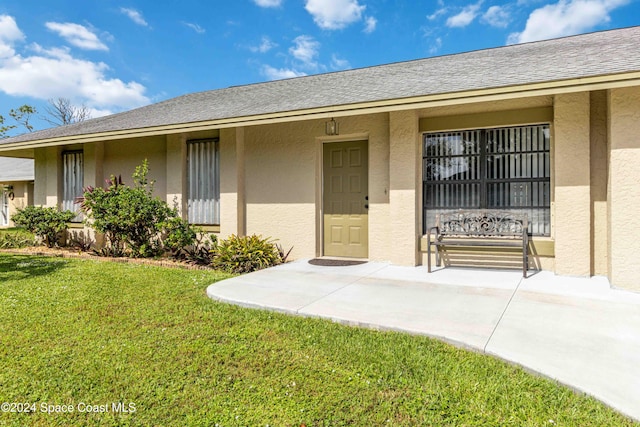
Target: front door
[
  {"x": 346, "y": 199},
  {"x": 4, "y": 208}
]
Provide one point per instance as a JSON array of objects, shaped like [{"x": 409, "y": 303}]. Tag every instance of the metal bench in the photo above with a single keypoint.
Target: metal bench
[{"x": 485, "y": 228}]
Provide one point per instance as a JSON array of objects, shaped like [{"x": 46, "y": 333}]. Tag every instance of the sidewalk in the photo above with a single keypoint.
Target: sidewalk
[{"x": 578, "y": 331}]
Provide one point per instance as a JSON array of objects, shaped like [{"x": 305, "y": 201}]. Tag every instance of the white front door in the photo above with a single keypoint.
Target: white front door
[{"x": 4, "y": 209}]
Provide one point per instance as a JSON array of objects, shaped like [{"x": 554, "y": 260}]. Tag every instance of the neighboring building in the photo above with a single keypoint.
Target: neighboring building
[
  {"x": 16, "y": 187},
  {"x": 356, "y": 163}
]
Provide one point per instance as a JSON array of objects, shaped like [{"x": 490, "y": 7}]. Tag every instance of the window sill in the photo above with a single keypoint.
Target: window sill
[{"x": 208, "y": 228}]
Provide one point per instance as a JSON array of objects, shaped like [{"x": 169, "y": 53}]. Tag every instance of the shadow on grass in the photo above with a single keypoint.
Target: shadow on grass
[{"x": 18, "y": 267}]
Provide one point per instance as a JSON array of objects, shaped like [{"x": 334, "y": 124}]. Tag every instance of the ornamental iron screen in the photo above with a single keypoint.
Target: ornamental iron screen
[{"x": 505, "y": 169}]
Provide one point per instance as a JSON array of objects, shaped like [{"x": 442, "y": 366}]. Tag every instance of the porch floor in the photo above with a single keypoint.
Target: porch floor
[{"x": 578, "y": 331}]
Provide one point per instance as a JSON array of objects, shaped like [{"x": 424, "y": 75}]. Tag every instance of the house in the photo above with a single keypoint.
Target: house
[
  {"x": 16, "y": 187},
  {"x": 356, "y": 163}
]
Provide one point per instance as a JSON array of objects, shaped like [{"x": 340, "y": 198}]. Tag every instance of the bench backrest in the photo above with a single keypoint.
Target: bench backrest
[{"x": 483, "y": 223}]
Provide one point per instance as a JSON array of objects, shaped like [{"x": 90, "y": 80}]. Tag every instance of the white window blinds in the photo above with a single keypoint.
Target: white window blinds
[{"x": 203, "y": 170}]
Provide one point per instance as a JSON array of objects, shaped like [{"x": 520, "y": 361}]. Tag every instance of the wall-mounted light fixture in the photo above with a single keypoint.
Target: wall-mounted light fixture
[{"x": 331, "y": 127}]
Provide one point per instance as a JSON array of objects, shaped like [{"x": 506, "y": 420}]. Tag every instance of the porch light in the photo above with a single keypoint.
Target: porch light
[{"x": 331, "y": 127}]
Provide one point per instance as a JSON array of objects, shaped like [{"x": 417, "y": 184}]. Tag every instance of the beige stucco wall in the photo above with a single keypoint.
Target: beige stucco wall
[
  {"x": 572, "y": 184},
  {"x": 484, "y": 107},
  {"x": 599, "y": 179},
  {"x": 122, "y": 157},
  {"x": 283, "y": 181},
  {"x": 22, "y": 196},
  {"x": 232, "y": 208},
  {"x": 404, "y": 193},
  {"x": 624, "y": 192}
]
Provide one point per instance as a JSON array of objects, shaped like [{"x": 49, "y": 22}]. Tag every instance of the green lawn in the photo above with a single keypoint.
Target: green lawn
[{"x": 83, "y": 332}]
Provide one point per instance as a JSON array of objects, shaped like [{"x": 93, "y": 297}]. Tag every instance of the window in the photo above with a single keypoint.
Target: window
[
  {"x": 503, "y": 168},
  {"x": 72, "y": 181},
  {"x": 203, "y": 166}
]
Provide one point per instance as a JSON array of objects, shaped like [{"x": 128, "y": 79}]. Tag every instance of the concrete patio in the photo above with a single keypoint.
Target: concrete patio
[{"x": 577, "y": 331}]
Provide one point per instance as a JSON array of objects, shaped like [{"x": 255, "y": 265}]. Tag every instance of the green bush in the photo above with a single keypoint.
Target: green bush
[
  {"x": 130, "y": 217},
  {"x": 48, "y": 223},
  {"x": 179, "y": 235},
  {"x": 245, "y": 254}
]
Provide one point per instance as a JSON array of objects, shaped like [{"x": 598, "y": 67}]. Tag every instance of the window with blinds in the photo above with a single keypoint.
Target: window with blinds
[
  {"x": 72, "y": 181},
  {"x": 203, "y": 174},
  {"x": 503, "y": 169}
]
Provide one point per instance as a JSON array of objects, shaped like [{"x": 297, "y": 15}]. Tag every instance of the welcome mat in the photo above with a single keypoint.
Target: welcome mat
[{"x": 334, "y": 262}]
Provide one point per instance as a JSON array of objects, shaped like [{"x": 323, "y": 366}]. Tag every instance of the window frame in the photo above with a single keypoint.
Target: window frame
[{"x": 533, "y": 188}]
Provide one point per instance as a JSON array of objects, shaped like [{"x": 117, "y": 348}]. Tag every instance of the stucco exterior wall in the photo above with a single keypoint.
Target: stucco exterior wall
[
  {"x": 572, "y": 184},
  {"x": 624, "y": 192},
  {"x": 122, "y": 157},
  {"x": 22, "y": 197},
  {"x": 283, "y": 181},
  {"x": 404, "y": 200},
  {"x": 232, "y": 215},
  {"x": 280, "y": 184},
  {"x": 599, "y": 179},
  {"x": 484, "y": 107},
  {"x": 176, "y": 171}
]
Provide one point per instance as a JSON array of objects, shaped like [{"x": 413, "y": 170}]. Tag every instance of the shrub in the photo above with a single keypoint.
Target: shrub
[
  {"x": 130, "y": 217},
  {"x": 47, "y": 223},
  {"x": 245, "y": 254},
  {"x": 179, "y": 235}
]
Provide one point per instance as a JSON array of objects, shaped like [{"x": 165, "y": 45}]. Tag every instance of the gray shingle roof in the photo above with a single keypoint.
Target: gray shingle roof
[
  {"x": 16, "y": 169},
  {"x": 589, "y": 55}
]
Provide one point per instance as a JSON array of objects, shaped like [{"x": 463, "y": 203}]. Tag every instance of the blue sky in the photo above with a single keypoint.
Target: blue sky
[{"x": 115, "y": 55}]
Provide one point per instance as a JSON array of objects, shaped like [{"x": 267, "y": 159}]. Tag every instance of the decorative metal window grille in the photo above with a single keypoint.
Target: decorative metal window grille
[
  {"x": 505, "y": 168},
  {"x": 72, "y": 181},
  {"x": 203, "y": 166}
]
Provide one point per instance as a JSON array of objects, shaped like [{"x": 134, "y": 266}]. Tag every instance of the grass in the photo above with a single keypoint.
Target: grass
[{"x": 97, "y": 333}]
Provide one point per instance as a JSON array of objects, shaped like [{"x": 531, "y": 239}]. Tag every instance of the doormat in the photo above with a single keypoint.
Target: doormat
[{"x": 334, "y": 262}]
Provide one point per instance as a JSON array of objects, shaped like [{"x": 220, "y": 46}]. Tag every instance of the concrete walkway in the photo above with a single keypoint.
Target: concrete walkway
[{"x": 579, "y": 332}]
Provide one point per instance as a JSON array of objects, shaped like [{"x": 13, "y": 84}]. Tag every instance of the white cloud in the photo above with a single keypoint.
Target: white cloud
[
  {"x": 9, "y": 34},
  {"x": 465, "y": 17},
  {"x": 339, "y": 64},
  {"x": 135, "y": 16},
  {"x": 78, "y": 35},
  {"x": 280, "y": 73},
  {"x": 334, "y": 14},
  {"x": 370, "y": 24},
  {"x": 195, "y": 27},
  {"x": 265, "y": 45},
  {"x": 441, "y": 11},
  {"x": 497, "y": 16},
  {"x": 305, "y": 50},
  {"x": 54, "y": 72},
  {"x": 567, "y": 17},
  {"x": 268, "y": 3},
  {"x": 435, "y": 47},
  {"x": 437, "y": 13}
]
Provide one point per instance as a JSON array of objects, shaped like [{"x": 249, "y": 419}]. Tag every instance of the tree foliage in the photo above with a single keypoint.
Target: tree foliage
[{"x": 21, "y": 116}]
